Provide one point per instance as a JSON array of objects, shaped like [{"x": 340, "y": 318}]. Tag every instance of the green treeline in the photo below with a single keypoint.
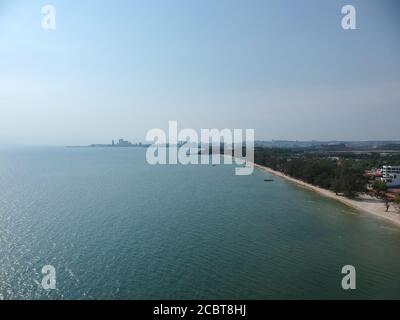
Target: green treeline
[{"x": 343, "y": 176}]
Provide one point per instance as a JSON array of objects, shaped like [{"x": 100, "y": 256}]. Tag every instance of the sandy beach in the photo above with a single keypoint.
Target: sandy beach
[{"x": 364, "y": 203}]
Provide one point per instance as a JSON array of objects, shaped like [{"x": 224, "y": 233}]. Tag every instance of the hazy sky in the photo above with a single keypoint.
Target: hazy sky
[{"x": 118, "y": 68}]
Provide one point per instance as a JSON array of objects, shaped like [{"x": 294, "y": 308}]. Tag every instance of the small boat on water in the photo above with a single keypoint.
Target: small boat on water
[{"x": 269, "y": 180}]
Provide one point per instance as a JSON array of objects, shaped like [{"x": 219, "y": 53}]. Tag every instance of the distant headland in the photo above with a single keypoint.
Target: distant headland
[{"x": 121, "y": 143}]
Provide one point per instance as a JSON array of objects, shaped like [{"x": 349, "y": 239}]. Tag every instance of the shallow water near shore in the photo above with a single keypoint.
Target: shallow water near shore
[{"x": 115, "y": 227}]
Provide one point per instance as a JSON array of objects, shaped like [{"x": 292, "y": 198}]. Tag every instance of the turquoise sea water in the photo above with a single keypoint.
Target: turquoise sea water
[{"x": 117, "y": 228}]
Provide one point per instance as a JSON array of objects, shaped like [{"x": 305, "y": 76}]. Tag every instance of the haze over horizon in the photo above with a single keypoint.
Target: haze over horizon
[{"x": 116, "y": 70}]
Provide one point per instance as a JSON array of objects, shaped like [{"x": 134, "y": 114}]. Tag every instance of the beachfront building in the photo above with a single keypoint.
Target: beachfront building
[{"x": 391, "y": 176}]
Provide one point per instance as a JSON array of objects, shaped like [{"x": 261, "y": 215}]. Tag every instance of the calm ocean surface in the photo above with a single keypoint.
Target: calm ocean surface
[{"x": 117, "y": 228}]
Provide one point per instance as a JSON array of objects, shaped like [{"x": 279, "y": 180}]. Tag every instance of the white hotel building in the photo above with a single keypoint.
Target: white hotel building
[{"x": 391, "y": 176}]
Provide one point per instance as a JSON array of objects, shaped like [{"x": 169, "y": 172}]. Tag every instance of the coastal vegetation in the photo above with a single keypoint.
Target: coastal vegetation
[
  {"x": 380, "y": 188},
  {"x": 343, "y": 177},
  {"x": 342, "y": 173}
]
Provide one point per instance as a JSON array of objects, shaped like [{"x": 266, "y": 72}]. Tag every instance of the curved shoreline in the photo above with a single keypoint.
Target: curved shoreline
[{"x": 365, "y": 203}]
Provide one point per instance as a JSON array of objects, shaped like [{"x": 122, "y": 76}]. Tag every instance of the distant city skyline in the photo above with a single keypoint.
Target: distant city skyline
[{"x": 118, "y": 69}]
